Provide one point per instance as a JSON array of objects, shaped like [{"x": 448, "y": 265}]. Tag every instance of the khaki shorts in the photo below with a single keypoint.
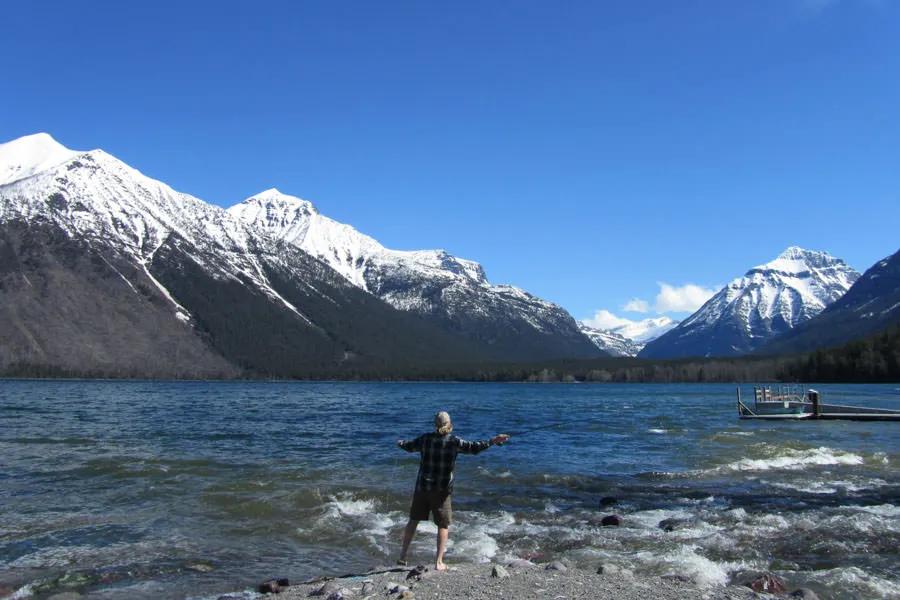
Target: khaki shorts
[{"x": 435, "y": 502}]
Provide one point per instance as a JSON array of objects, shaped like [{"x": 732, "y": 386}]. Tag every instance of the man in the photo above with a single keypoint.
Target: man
[{"x": 434, "y": 484}]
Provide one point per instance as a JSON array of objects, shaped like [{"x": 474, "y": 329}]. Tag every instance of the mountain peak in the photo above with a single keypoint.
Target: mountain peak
[
  {"x": 274, "y": 195},
  {"x": 29, "y": 155},
  {"x": 798, "y": 253},
  {"x": 766, "y": 302},
  {"x": 795, "y": 259}
]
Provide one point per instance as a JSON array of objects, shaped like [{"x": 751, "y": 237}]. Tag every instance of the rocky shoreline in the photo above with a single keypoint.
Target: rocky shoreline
[{"x": 518, "y": 579}]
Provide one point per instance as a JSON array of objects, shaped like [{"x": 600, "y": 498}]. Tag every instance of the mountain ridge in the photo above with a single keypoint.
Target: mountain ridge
[
  {"x": 452, "y": 291},
  {"x": 143, "y": 237},
  {"x": 872, "y": 304},
  {"x": 766, "y": 301}
]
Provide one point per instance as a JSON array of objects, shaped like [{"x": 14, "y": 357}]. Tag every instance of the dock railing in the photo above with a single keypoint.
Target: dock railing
[{"x": 788, "y": 392}]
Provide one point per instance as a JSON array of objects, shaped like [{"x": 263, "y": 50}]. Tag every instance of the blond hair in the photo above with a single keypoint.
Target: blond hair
[{"x": 442, "y": 423}]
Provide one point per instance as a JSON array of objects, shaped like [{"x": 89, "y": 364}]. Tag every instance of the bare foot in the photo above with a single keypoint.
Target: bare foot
[{"x": 440, "y": 567}]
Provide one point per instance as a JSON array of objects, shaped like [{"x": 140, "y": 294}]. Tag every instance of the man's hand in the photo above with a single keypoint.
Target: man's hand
[{"x": 499, "y": 440}]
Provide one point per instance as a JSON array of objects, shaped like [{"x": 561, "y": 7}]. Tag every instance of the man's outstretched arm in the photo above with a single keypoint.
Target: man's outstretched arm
[
  {"x": 467, "y": 447},
  {"x": 411, "y": 445}
]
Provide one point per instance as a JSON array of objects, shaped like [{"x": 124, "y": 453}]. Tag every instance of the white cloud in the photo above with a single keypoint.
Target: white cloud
[
  {"x": 637, "y": 305},
  {"x": 684, "y": 298},
  {"x": 603, "y": 319}
]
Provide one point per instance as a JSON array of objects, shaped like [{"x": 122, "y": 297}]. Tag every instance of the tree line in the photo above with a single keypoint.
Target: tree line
[{"x": 873, "y": 359}]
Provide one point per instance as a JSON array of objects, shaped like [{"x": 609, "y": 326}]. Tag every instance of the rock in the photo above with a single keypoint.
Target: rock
[
  {"x": 327, "y": 588},
  {"x": 283, "y": 582},
  {"x": 611, "y": 570},
  {"x": 612, "y": 521},
  {"x": 499, "y": 572},
  {"x": 339, "y": 594},
  {"x": 520, "y": 563},
  {"x": 768, "y": 583},
  {"x": 672, "y": 524},
  {"x": 396, "y": 588},
  {"x": 66, "y": 596},
  {"x": 367, "y": 588},
  {"x": 417, "y": 573},
  {"x": 406, "y": 595},
  {"x": 556, "y": 566},
  {"x": 804, "y": 594},
  {"x": 608, "y": 501},
  {"x": 269, "y": 587}
]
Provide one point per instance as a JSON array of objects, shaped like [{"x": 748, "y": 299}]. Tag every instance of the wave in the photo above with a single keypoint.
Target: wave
[
  {"x": 829, "y": 486},
  {"x": 791, "y": 459},
  {"x": 854, "y": 579}
]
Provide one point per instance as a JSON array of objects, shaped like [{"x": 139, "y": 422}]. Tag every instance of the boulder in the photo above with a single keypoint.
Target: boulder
[
  {"x": 367, "y": 588},
  {"x": 673, "y": 524},
  {"x": 556, "y": 566},
  {"x": 767, "y": 583},
  {"x": 520, "y": 563},
  {"x": 612, "y": 521},
  {"x": 804, "y": 594},
  {"x": 499, "y": 572},
  {"x": 608, "y": 501},
  {"x": 396, "y": 588},
  {"x": 406, "y": 595},
  {"x": 269, "y": 587}
]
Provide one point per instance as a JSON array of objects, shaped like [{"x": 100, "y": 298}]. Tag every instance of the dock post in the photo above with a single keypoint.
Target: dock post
[{"x": 814, "y": 398}]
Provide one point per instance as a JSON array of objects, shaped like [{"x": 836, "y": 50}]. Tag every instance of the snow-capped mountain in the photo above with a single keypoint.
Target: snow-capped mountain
[
  {"x": 751, "y": 310},
  {"x": 629, "y": 337},
  {"x": 103, "y": 267},
  {"x": 108, "y": 271},
  {"x": 645, "y": 330},
  {"x": 871, "y": 305},
  {"x": 610, "y": 342},
  {"x": 451, "y": 291}
]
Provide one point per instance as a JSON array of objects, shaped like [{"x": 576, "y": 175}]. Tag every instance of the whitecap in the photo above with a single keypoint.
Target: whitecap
[
  {"x": 864, "y": 584},
  {"x": 686, "y": 561},
  {"x": 791, "y": 459},
  {"x": 882, "y": 510},
  {"x": 26, "y": 591}
]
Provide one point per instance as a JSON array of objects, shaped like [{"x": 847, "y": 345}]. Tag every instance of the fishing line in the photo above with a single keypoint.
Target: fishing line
[{"x": 553, "y": 425}]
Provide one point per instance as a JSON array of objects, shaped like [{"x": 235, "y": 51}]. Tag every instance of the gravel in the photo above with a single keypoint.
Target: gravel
[{"x": 475, "y": 582}]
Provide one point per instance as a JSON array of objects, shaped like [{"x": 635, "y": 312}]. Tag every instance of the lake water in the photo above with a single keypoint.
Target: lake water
[{"x": 165, "y": 489}]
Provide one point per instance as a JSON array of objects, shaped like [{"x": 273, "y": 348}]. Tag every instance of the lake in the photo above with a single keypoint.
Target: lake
[{"x": 191, "y": 489}]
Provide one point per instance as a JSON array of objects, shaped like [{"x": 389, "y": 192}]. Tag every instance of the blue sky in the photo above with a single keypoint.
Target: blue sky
[{"x": 586, "y": 151}]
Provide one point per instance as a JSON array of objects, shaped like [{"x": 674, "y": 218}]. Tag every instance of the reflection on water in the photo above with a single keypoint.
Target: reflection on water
[{"x": 145, "y": 489}]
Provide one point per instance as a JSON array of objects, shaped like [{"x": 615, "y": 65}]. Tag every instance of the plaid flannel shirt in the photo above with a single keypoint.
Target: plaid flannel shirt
[{"x": 438, "y": 458}]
